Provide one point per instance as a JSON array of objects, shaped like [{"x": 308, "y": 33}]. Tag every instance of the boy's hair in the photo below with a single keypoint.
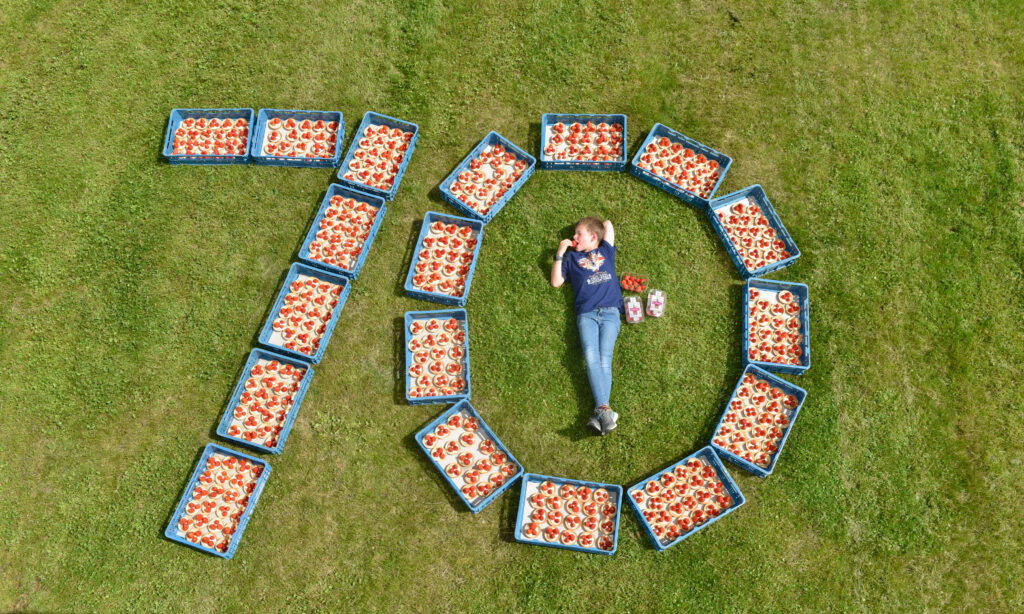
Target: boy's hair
[{"x": 594, "y": 225}]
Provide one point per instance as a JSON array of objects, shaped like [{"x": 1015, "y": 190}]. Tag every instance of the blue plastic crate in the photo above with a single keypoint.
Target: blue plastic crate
[
  {"x": 265, "y": 115},
  {"x": 659, "y": 131},
  {"x": 707, "y": 454},
  {"x": 410, "y": 316},
  {"x": 803, "y": 298},
  {"x": 172, "y": 531},
  {"x": 535, "y": 478},
  {"x": 269, "y": 338},
  {"x": 756, "y": 194},
  {"x": 493, "y": 138},
  {"x": 177, "y": 115},
  {"x": 786, "y": 387},
  {"x": 549, "y": 119},
  {"x": 437, "y": 297},
  {"x": 376, "y": 118},
  {"x": 465, "y": 408},
  {"x": 337, "y": 190},
  {"x": 255, "y": 356}
]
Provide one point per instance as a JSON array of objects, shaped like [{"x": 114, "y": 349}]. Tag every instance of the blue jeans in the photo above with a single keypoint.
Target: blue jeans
[{"x": 598, "y": 331}]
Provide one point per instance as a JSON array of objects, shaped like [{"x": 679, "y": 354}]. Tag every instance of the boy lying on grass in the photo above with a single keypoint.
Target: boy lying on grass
[{"x": 590, "y": 269}]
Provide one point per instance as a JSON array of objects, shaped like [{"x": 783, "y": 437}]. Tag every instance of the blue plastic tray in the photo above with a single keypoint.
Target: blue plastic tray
[
  {"x": 800, "y": 393},
  {"x": 297, "y": 269},
  {"x": 464, "y": 405},
  {"x": 265, "y": 115},
  {"x": 172, "y": 528},
  {"x": 177, "y": 115},
  {"x": 567, "y": 118},
  {"x": 708, "y": 455},
  {"x": 659, "y": 131},
  {"x": 801, "y": 292},
  {"x": 493, "y": 138},
  {"x": 458, "y": 314},
  {"x": 613, "y": 489},
  {"x": 376, "y": 118},
  {"x": 256, "y": 355},
  {"x": 337, "y": 190},
  {"x": 756, "y": 193},
  {"x": 435, "y": 297}
]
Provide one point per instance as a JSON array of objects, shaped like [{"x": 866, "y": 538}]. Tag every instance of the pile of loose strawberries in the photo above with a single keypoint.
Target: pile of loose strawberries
[{"x": 634, "y": 283}]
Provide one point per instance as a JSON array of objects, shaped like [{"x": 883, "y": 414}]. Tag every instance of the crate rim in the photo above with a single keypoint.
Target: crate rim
[
  {"x": 437, "y": 296},
  {"x": 332, "y": 190},
  {"x": 168, "y": 148},
  {"x": 457, "y": 407},
  {"x": 774, "y": 219},
  {"x": 256, "y": 354},
  {"x": 411, "y": 316},
  {"x": 805, "y": 319},
  {"x": 729, "y": 483},
  {"x": 211, "y": 448},
  {"x": 464, "y": 209},
  {"x": 293, "y": 272},
  {"x": 518, "y": 534}
]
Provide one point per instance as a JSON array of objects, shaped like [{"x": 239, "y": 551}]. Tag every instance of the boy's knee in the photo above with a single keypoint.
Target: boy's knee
[{"x": 592, "y": 357}]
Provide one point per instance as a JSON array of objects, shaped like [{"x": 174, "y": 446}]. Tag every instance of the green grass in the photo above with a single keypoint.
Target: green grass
[{"x": 888, "y": 135}]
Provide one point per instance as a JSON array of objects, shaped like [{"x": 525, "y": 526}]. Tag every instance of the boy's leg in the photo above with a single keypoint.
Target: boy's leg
[
  {"x": 590, "y": 340},
  {"x": 610, "y": 325}
]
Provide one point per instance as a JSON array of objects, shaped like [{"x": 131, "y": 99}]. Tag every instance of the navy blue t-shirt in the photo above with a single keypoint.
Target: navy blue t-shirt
[{"x": 593, "y": 278}]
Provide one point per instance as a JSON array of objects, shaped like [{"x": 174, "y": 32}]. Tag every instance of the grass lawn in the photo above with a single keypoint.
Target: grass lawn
[{"x": 888, "y": 135}]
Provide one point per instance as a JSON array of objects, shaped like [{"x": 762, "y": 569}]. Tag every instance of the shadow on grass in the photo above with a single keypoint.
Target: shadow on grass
[
  {"x": 733, "y": 366},
  {"x": 434, "y": 195},
  {"x": 533, "y": 140},
  {"x": 412, "y": 446},
  {"x": 212, "y": 434},
  {"x": 398, "y": 360},
  {"x": 309, "y": 223},
  {"x": 255, "y": 340},
  {"x": 508, "y": 512},
  {"x": 410, "y": 248},
  {"x": 638, "y": 140}
]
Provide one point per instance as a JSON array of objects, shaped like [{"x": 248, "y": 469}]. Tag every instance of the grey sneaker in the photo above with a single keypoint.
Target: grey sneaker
[
  {"x": 608, "y": 419},
  {"x": 594, "y": 423}
]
